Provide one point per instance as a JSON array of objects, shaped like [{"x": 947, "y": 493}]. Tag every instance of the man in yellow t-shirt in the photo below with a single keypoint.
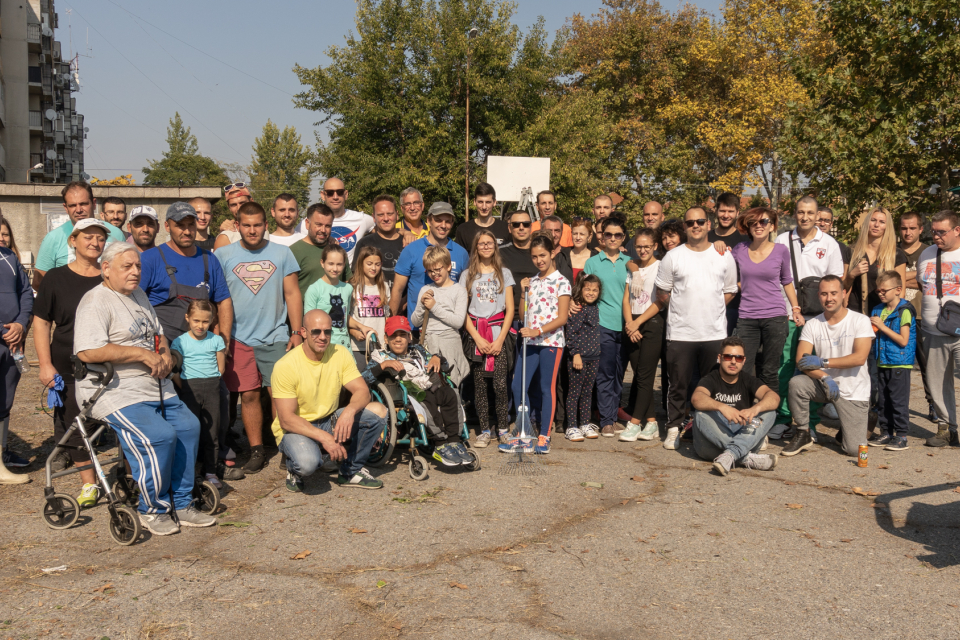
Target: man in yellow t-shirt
[{"x": 306, "y": 388}]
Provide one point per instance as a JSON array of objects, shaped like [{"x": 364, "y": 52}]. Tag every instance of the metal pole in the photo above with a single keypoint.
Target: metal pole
[{"x": 466, "y": 163}]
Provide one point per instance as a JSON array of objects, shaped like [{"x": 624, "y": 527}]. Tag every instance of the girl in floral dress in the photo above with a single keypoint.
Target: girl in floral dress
[{"x": 548, "y": 301}]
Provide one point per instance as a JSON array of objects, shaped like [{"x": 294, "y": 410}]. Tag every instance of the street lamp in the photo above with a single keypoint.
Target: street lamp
[{"x": 466, "y": 187}]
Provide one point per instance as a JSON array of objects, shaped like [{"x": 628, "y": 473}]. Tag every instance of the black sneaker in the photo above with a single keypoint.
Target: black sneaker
[
  {"x": 882, "y": 441},
  {"x": 11, "y": 459},
  {"x": 465, "y": 458},
  {"x": 230, "y": 473},
  {"x": 360, "y": 480},
  {"x": 61, "y": 462},
  {"x": 447, "y": 455},
  {"x": 294, "y": 483},
  {"x": 799, "y": 443},
  {"x": 898, "y": 443},
  {"x": 257, "y": 461}
]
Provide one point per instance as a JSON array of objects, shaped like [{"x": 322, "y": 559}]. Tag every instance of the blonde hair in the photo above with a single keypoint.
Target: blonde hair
[
  {"x": 435, "y": 255},
  {"x": 887, "y": 254},
  {"x": 473, "y": 271},
  {"x": 359, "y": 282}
]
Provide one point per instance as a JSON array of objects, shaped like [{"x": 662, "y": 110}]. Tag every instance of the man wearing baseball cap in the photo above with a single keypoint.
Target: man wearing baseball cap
[
  {"x": 144, "y": 225},
  {"x": 411, "y": 275}
]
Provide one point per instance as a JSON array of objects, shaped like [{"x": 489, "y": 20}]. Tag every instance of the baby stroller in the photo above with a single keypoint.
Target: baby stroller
[
  {"x": 408, "y": 422},
  {"x": 61, "y": 510}
]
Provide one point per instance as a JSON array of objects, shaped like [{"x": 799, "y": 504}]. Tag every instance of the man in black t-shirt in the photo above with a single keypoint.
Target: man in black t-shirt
[
  {"x": 385, "y": 237},
  {"x": 516, "y": 257},
  {"x": 728, "y": 209},
  {"x": 911, "y": 226},
  {"x": 734, "y": 412},
  {"x": 485, "y": 199}
]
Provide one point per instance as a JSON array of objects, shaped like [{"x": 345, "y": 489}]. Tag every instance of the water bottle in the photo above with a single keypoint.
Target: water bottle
[
  {"x": 752, "y": 426},
  {"x": 22, "y": 365}
]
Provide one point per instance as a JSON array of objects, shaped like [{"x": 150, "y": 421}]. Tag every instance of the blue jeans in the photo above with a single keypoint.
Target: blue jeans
[
  {"x": 610, "y": 375},
  {"x": 713, "y": 434},
  {"x": 161, "y": 451},
  {"x": 544, "y": 361},
  {"x": 304, "y": 454}
]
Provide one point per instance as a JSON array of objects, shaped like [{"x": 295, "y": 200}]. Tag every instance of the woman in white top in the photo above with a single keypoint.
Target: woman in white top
[{"x": 645, "y": 332}]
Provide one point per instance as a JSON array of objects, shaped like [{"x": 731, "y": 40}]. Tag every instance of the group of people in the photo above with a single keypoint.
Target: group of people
[{"x": 754, "y": 334}]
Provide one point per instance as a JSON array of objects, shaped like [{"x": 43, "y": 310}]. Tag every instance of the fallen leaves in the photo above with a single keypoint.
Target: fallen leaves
[
  {"x": 381, "y": 584},
  {"x": 301, "y": 555},
  {"x": 861, "y": 492},
  {"x": 90, "y": 571},
  {"x": 846, "y": 539},
  {"x": 637, "y": 479},
  {"x": 883, "y": 466},
  {"x": 457, "y": 585},
  {"x": 792, "y": 505},
  {"x": 789, "y": 483},
  {"x": 957, "y": 490},
  {"x": 592, "y": 485},
  {"x": 103, "y": 589},
  {"x": 358, "y": 530}
]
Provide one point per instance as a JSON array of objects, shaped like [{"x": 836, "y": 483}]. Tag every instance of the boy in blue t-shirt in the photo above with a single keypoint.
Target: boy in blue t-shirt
[{"x": 895, "y": 322}]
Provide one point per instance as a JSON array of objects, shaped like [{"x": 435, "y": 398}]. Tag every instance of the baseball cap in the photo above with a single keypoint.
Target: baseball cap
[
  {"x": 144, "y": 210},
  {"x": 440, "y": 208},
  {"x": 397, "y": 323},
  {"x": 180, "y": 210},
  {"x": 86, "y": 223}
]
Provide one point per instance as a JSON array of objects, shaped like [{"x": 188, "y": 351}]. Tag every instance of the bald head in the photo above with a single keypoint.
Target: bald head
[
  {"x": 316, "y": 332},
  {"x": 335, "y": 196},
  {"x": 315, "y": 319},
  {"x": 652, "y": 214}
]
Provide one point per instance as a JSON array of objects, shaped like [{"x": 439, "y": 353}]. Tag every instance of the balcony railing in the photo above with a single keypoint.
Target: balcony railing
[
  {"x": 36, "y": 120},
  {"x": 35, "y": 159},
  {"x": 33, "y": 33}
]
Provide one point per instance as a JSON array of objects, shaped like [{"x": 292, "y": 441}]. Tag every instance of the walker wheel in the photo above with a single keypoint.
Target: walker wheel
[
  {"x": 419, "y": 468},
  {"x": 125, "y": 527},
  {"x": 208, "y": 497},
  {"x": 475, "y": 465},
  {"x": 62, "y": 513},
  {"x": 125, "y": 493}
]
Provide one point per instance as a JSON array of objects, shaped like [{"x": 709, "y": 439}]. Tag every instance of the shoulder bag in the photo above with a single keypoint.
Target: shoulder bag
[{"x": 808, "y": 289}]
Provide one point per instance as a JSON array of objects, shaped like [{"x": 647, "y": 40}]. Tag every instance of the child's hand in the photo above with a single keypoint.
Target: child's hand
[
  {"x": 525, "y": 284},
  {"x": 483, "y": 346},
  {"x": 876, "y": 322},
  {"x": 434, "y": 365},
  {"x": 391, "y": 364},
  {"x": 428, "y": 300},
  {"x": 577, "y": 362},
  {"x": 529, "y": 333}
]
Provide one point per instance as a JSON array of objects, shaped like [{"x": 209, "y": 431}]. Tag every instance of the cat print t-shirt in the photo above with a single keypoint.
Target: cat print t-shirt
[{"x": 335, "y": 300}]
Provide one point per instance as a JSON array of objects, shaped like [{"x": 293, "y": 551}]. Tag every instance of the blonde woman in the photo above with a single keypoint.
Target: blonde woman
[{"x": 875, "y": 251}]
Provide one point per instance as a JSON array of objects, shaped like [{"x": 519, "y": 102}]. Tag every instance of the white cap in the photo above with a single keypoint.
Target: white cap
[
  {"x": 144, "y": 210},
  {"x": 91, "y": 222}
]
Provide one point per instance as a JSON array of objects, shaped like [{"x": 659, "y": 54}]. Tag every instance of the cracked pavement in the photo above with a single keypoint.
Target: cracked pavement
[{"x": 666, "y": 549}]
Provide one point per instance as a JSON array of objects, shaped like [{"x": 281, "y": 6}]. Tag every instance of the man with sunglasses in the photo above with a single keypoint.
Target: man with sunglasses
[
  {"x": 516, "y": 257},
  {"x": 411, "y": 275},
  {"x": 941, "y": 349},
  {"x": 838, "y": 373},
  {"x": 349, "y": 226},
  {"x": 734, "y": 413},
  {"x": 307, "y": 383},
  {"x": 817, "y": 255},
  {"x": 698, "y": 282}
]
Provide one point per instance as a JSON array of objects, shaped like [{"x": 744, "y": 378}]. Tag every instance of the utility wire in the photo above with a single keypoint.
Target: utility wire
[
  {"x": 130, "y": 62},
  {"x": 227, "y": 64}
]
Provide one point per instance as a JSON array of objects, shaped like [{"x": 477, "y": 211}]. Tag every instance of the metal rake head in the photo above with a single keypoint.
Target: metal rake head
[{"x": 522, "y": 463}]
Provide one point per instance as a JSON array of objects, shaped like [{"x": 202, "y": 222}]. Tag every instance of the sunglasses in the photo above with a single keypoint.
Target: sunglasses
[
  {"x": 765, "y": 222},
  {"x": 316, "y": 333},
  {"x": 235, "y": 185},
  {"x": 699, "y": 222},
  {"x": 334, "y": 192},
  {"x": 729, "y": 357},
  {"x": 613, "y": 236},
  {"x": 517, "y": 225},
  {"x": 937, "y": 233}
]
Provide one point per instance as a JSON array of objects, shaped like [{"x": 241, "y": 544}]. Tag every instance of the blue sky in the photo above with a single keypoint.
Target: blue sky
[{"x": 235, "y": 73}]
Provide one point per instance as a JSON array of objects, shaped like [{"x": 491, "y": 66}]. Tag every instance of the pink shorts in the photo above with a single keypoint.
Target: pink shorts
[{"x": 241, "y": 373}]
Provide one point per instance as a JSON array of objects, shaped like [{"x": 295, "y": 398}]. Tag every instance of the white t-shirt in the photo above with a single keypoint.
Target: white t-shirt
[
  {"x": 927, "y": 279},
  {"x": 836, "y": 341},
  {"x": 819, "y": 257},
  {"x": 287, "y": 241},
  {"x": 349, "y": 228},
  {"x": 697, "y": 281},
  {"x": 642, "y": 286}
]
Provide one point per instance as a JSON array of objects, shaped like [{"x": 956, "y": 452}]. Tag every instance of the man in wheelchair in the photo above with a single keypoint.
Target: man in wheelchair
[
  {"x": 307, "y": 383},
  {"x": 419, "y": 372}
]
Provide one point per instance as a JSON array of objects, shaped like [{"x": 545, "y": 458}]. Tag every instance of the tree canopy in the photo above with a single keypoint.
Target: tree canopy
[
  {"x": 280, "y": 164},
  {"x": 182, "y": 164}
]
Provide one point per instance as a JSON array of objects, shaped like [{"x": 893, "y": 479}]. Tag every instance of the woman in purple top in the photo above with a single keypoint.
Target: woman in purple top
[{"x": 764, "y": 268}]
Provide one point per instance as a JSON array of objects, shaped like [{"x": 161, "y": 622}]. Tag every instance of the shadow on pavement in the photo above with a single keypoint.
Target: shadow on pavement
[{"x": 934, "y": 526}]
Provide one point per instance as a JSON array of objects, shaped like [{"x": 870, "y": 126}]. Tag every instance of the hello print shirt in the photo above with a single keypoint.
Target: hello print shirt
[{"x": 543, "y": 307}]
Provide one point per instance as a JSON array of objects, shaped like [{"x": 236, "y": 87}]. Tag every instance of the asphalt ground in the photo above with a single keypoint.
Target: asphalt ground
[{"x": 665, "y": 549}]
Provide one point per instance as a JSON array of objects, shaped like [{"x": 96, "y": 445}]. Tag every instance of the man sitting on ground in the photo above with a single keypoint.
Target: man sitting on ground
[
  {"x": 728, "y": 401},
  {"x": 838, "y": 373},
  {"x": 306, "y": 390}
]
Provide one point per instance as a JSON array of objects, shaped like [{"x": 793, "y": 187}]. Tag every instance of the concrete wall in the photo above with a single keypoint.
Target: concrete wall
[
  {"x": 15, "y": 58},
  {"x": 21, "y": 205}
]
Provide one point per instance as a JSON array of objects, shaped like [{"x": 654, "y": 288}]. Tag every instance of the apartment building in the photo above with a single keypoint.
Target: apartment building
[{"x": 41, "y": 133}]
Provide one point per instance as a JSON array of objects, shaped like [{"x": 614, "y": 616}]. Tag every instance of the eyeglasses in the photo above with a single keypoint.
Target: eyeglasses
[
  {"x": 765, "y": 222},
  {"x": 517, "y": 225},
  {"x": 316, "y": 333},
  {"x": 334, "y": 192},
  {"x": 937, "y": 233},
  {"x": 699, "y": 222},
  {"x": 883, "y": 292},
  {"x": 644, "y": 247},
  {"x": 235, "y": 185},
  {"x": 729, "y": 357},
  {"x": 435, "y": 270},
  {"x": 411, "y": 205},
  {"x": 612, "y": 236},
  {"x": 485, "y": 245}
]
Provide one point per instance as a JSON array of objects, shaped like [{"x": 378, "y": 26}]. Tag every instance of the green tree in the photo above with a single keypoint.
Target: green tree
[
  {"x": 883, "y": 119},
  {"x": 280, "y": 164},
  {"x": 394, "y": 96},
  {"x": 182, "y": 164}
]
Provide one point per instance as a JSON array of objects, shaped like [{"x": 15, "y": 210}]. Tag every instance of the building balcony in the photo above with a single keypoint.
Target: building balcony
[
  {"x": 36, "y": 120},
  {"x": 33, "y": 36},
  {"x": 35, "y": 159}
]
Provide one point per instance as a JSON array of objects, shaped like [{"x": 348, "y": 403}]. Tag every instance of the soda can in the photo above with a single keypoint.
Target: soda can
[{"x": 862, "y": 458}]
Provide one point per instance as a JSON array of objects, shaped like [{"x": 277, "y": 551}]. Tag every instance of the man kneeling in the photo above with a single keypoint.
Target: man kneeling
[
  {"x": 734, "y": 413},
  {"x": 306, "y": 387}
]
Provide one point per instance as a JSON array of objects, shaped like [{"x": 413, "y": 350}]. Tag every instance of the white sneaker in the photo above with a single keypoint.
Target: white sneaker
[
  {"x": 670, "y": 442},
  {"x": 631, "y": 433},
  {"x": 574, "y": 435},
  {"x": 590, "y": 431},
  {"x": 766, "y": 442},
  {"x": 650, "y": 431}
]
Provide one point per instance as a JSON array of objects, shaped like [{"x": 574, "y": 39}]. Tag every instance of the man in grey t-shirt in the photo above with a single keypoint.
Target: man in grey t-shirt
[{"x": 159, "y": 435}]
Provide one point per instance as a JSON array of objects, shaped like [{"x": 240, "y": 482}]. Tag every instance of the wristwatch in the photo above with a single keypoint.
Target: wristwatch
[{"x": 826, "y": 363}]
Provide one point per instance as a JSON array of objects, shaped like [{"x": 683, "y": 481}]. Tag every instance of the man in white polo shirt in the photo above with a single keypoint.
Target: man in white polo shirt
[
  {"x": 838, "y": 373},
  {"x": 816, "y": 255},
  {"x": 942, "y": 343}
]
